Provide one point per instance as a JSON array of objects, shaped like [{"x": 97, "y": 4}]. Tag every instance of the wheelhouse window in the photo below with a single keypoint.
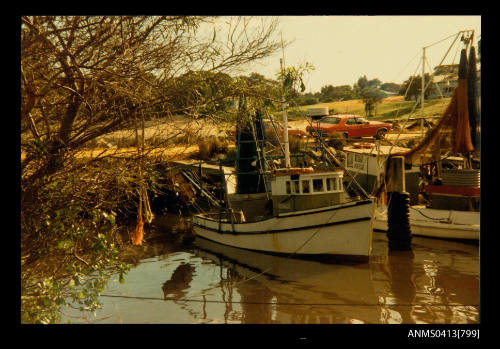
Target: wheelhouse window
[
  {"x": 318, "y": 185},
  {"x": 350, "y": 157},
  {"x": 296, "y": 187},
  {"x": 288, "y": 187},
  {"x": 359, "y": 162},
  {"x": 305, "y": 187}
]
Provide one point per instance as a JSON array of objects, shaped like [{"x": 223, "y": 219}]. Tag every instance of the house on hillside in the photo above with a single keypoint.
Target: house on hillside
[{"x": 446, "y": 78}]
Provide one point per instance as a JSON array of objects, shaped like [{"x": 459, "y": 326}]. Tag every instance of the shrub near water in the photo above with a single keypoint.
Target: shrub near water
[{"x": 69, "y": 242}]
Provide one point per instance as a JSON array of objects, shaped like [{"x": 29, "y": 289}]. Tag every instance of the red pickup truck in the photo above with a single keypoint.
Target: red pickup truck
[{"x": 349, "y": 126}]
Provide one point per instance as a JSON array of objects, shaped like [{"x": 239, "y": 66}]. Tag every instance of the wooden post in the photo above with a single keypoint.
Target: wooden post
[
  {"x": 398, "y": 215},
  {"x": 229, "y": 210},
  {"x": 436, "y": 154}
]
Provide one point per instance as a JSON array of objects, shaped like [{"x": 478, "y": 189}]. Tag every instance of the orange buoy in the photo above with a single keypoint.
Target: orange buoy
[{"x": 139, "y": 232}]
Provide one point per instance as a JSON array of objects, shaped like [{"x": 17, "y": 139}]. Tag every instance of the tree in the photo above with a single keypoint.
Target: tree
[
  {"x": 292, "y": 78},
  {"x": 371, "y": 97},
  {"x": 412, "y": 87},
  {"x": 374, "y": 83},
  {"x": 83, "y": 77},
  {"x": 362, "y": 82},
  {"x": 390, "y": 87}
]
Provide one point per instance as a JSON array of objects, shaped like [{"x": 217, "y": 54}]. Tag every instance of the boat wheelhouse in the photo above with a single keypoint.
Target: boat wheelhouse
[{"x": 367, "y": 161}]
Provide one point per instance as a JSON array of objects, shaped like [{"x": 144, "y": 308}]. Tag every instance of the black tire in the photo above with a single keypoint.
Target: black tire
[{"x": 381, "y": 133}]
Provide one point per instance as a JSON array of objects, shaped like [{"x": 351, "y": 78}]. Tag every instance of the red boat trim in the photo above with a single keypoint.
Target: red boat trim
[{"x": 452, "y": 190}]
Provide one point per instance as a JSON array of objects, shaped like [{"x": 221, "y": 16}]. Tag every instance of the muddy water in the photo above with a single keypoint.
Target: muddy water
[{"x": 197, "y": 281}]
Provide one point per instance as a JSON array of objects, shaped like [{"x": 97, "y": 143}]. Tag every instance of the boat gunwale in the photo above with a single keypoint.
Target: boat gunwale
[
  {"x": 348, "y": 221},
  {"x": 319, "y": 210}
]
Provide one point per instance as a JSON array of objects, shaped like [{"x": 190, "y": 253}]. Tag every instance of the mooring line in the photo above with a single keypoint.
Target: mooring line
[
  {"x": 289, "y": 303},
  {"x": 204, "y": 292}
]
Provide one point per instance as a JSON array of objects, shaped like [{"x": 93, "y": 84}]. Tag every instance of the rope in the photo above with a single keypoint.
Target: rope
[
  {"x": 204, "y": 292},
  {"x": 288, "y": 303},
  {"x": 329, "y": 153},
  {"x": 436, "y": 219}
]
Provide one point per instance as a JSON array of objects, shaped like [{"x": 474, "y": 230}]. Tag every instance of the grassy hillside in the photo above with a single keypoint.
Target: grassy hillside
[{"x": 389, "y": 108}]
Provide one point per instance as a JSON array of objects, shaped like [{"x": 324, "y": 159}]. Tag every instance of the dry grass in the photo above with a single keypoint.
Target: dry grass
[{"x": 394, "y": 107}]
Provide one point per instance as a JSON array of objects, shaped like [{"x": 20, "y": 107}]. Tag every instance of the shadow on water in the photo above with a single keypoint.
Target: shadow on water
[{"x": 178, "y": 282}]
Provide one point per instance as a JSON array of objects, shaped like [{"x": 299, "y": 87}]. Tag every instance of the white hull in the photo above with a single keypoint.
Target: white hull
[
  {"x": 336, "y": 230},
  {"x": 446, "y": 224}
]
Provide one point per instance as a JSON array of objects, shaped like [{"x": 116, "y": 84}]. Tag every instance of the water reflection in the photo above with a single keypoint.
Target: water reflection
[
  {"x": 205, "y": 282},
  {"x": 398, "y": 298},
  {"x": 179, "y": 282},
  {"x": 436, "y": 282},
  {"x": 419, "y": 286},
  {"x": 283, "y": 290}
]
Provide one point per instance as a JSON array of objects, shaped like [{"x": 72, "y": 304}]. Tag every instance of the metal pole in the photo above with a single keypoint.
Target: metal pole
[
  {"x": 285, "y": 125},
  {"x": 422, "y": 94}
]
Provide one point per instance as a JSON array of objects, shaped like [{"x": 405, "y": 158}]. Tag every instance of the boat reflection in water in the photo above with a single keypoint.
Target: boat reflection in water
[
  {"x": 286, "y": 290},
  {"x": 395, "y": 287},
  {"x": 205, "y": 282}
]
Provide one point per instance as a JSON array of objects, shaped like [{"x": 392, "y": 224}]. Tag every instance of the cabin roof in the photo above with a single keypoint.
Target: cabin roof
[{"x": 384, "y": 150}]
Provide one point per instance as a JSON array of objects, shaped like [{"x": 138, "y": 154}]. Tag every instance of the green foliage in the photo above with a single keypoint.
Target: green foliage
[
  {"x": 303, "y": 100},
  {"x": 390, "y": 87},
  {"x": 69, "y": 249},
  {"x": 371, "y": 96},
  {"x": 292, "y": 79},
  {"x": 331, "y": 93},
  {"x": 412, "y": 87},
  {"x": 199, "y": 92}
]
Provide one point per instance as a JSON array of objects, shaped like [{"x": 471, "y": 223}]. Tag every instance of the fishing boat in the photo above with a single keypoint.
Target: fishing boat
[
  {"x": 451, "y": 176},
  {"x": 307, "y": 213},
  {"x": 452, "y": 211},
  {"x": 299, "y": 211}
]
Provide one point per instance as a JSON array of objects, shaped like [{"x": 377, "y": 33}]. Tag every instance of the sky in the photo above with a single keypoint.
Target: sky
[{"x": 344, "y": 48}]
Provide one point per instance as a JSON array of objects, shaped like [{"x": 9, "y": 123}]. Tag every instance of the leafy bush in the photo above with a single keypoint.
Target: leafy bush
[{"x": 69, "y": 239}]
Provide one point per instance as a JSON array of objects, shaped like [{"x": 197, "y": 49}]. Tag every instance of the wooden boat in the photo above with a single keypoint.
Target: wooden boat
[
  {"x": 306, "y": 213},
  {"x": 444, "y": 157},
  {"x": 298, "y": 211},
  {"x": 453, "y": 212}
]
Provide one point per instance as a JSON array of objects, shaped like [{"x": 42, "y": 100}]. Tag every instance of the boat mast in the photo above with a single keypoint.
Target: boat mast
[
  {"x": 422, "y": 94},
  {"x": 285, "y": 120}
]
